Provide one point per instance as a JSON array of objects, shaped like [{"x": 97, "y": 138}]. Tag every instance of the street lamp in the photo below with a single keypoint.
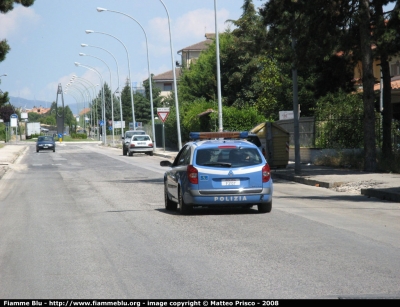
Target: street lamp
[
  {"x": 174, "y": 74},
  {"x": 218, "y": 71},
  {"x": 5, "y": 75},
  {"x": 94, "y": 97},
  {"x": 83, "y": 82},
  {"x": 119, "y": 97},
  {"x": 99, "y": 9},
  {"x": 112, "y": 102},
  {"x": 129, "y": 71},
  {"x": 102, "y": 82}
]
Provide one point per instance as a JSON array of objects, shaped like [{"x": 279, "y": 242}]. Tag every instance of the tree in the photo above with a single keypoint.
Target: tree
[
  {"x": 363, "y": 18},
  {"x": 240, "y": 60},
  {"x": 387, "y": 42},
  {"x": 5, "y": 112},
  {"x": 126, "y": 102},
  {"x": 6, "y": 6},
  {"x": 324, "y": 28}
]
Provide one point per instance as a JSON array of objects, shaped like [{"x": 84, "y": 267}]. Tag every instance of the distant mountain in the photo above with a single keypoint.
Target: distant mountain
[{"x": 29, "y": 104}]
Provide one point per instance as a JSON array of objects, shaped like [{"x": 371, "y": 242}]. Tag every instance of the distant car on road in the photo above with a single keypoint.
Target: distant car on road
[
  {"x": 141, "y": 144},
  {"x": 45, "y": 143},
  {"x": 127, "y": 139},
  {"x": 218, "y": 170}
]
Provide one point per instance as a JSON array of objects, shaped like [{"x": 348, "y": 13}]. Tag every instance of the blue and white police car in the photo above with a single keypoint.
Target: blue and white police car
[{"x": 218, "y": 169}]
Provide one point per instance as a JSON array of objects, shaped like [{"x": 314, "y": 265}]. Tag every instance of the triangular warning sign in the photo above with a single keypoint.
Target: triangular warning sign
[{"x": 163, "y": 116}]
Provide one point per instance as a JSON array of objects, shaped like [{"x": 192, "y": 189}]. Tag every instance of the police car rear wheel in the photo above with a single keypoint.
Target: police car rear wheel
[
  {"x": 169, "y": 204},
  {"x": 265, "y": 208},
  {"x": 183, "y": 208}
]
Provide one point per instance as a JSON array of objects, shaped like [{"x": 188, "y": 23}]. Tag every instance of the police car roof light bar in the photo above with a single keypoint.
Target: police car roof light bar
[{"x": 218, "y": 135}]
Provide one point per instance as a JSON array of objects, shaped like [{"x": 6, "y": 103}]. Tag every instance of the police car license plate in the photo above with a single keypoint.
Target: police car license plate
[
  {"x": 141, "y": 143},
  {"x": 230, "y": 182}
]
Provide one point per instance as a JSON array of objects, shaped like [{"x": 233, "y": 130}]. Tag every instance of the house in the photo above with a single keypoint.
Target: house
[
  {"x": 191, "y": 54},
  {"x": 394, "y": 65},
  {"x": 39, "y": 110},
  {"x": 165, "y": 80}
]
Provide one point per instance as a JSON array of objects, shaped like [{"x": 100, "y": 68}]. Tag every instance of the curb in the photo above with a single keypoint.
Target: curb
[
  {"x": 4, "y": 167},
  {"x": 306, "y": 181},
  {"x": 165, "y": 155},
  {"x": 382, "y": 194}
]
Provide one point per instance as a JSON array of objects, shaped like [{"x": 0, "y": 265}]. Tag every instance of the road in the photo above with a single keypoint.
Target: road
[{"x": 86, "y": 222}]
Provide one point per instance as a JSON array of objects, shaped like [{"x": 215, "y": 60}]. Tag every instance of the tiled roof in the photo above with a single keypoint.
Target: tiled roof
[
  {"x": 84, "y": 111},
  {"x": 168, "y": 75},
  {"x": 395, "y": 84},
  {"x": 198, "y": 47}
]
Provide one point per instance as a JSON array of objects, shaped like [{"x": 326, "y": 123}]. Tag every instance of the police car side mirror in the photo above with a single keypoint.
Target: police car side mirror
[{"x": 165, "y": 163}]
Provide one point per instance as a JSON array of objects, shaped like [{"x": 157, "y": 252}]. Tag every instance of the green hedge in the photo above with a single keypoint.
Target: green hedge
[{"x": 82, "y": 136}]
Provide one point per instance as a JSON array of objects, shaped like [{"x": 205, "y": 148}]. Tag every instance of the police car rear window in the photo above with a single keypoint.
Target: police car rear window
[{"x": 228, "y": 157}]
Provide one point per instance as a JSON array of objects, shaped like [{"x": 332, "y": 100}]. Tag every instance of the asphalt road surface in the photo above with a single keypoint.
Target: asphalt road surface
[{"x": 86, "y": 222}]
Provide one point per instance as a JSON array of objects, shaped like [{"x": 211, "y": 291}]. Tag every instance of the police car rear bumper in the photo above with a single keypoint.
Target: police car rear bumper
[{"x": 226, "y": 197}]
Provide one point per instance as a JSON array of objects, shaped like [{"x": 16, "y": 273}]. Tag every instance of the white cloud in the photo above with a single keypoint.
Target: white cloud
[
  {"x": 20, "y": 18},
  {"x": 186, "y": 30},
  {"x": 196, "y": 23}
]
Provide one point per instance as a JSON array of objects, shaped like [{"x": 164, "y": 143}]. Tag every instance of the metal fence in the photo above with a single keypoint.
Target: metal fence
[{"x": 341, "y": 132}]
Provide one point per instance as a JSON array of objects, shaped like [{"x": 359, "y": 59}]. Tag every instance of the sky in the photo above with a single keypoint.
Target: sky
[{"x": 46, "y": 38}]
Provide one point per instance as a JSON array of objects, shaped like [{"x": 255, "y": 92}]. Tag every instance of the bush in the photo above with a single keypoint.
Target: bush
[
  {"x": 82, "y": 136},
  {"x": 339, "y": 121}
]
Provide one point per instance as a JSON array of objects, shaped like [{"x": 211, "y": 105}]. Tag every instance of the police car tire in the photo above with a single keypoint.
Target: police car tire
[
  {"x": 169, "y": 204},
  {"x": 265, "y": 208},
  {"x": 183, "y": 208},
  {"x": 130, "y": 154}
]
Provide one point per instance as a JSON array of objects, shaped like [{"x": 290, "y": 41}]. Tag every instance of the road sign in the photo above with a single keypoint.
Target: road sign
[
  {"x": 13, "y": 120},
  {"x": 101, "y": 123},
  {"x": 110, "y": 128},
  {"x": 163, "y": 113}
]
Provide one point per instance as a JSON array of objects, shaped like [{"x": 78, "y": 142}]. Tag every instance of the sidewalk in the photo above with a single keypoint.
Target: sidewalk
[{"x": 378, "y": 185}]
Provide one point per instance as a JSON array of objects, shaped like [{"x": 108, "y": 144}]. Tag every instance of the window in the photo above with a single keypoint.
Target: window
[
  {"x": 167, "y": 86},
  {"x": 395, "y": 69},
  {"x": 183, "y": 157}
]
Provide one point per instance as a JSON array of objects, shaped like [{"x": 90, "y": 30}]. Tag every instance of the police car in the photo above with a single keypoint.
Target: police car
[{"x": 218, "y": 169}]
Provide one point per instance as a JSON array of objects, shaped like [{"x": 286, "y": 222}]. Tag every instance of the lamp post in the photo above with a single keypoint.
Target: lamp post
[
  {"x": 99, "y": 9},
  {"x": 5, "y": 75},
  {"x": 77, "y": 94},
  {"x": 119, "y": 96},
  {"x": 74, "y": 85},
  {"x": 220, "y": 126},
  {"x": 129, "y": 72},
  {"x": 111, "y": 93},
  {"x": 174, "y": 74},
  {"x": 102, "y": 82},
  {"x": 76, "y": 100},
  {"x": 92, "y": 86},
  {"x": 82, "y": 82}
]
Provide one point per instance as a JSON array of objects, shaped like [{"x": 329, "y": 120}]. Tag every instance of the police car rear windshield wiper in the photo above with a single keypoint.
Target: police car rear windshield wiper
[{"x": 226, "y": 164}]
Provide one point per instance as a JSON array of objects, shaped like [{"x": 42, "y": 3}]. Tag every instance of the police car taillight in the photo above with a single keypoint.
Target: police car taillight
[
  {"x": 192, "y": 174},
  {"x": 266, "y": 173}
]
